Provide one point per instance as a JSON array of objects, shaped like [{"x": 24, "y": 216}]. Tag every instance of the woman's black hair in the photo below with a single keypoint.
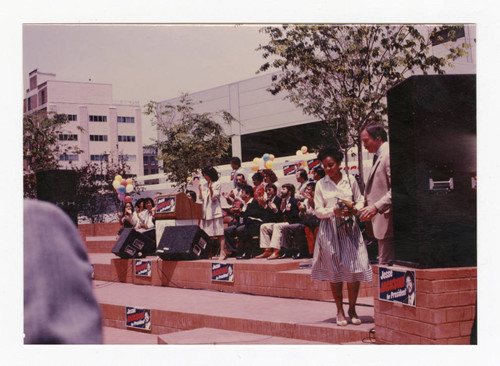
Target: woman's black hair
[
  {"x": 147, "y": 200},
  {"x": 139, "y": 201},
  {"x": 258, "y": 176},
  {"x": 211, "y": 173},
  {"x": 331, "y": 151},
  {"x": 320, "y": 171}
]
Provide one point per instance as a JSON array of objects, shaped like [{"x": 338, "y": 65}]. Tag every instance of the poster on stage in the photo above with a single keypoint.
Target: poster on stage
[
  {"x": 165, "y": 204},
  {"x": 290, "y": 169},
  {"x": 138, "y": 318},
  {"x": 142, "y": 268},
  {"x": 397, "y": 286},
  {"x": 313, "y": 163},
  {"x": 223, "y": 272}
]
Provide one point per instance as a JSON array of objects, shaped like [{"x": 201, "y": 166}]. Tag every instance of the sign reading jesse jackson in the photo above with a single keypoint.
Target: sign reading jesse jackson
[{"x": 397, "y": 286}]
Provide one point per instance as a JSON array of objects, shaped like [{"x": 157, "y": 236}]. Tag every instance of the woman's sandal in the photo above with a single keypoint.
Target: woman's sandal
[
  {"x": 341, "y": 323},
  {"x": 354, "y": 319}
]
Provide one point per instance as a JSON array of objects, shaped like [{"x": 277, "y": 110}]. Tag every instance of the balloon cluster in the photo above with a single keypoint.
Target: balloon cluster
[
  {"x": 123, "y": 186},
  {"x": 302, "y": 151},
  {"x": 264, "y": 162}
]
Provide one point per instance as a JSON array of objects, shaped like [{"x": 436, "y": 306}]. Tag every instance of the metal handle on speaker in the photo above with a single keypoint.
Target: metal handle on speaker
[{"x": 440, "y": 186}]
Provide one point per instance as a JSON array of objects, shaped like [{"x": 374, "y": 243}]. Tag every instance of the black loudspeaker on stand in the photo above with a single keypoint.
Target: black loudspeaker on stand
[
  {"x": 132, "y": 244},
  {"x": 432, "y": 129},
  {"x": 184, "y": 243},
  {"x": 59, "y": 188}
]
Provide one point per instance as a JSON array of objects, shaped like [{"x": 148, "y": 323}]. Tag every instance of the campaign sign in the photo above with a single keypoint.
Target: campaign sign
[
  {"x": 138, "y": 318},
  {"x": 165, "y": 204},
  {"x": 142, "y": 268},
  {"x": 289, "y": 169},
  {"x": 222, "y": 272},
  {"x": 313, "y": 163},
  {"x": 397, "y": 286}
]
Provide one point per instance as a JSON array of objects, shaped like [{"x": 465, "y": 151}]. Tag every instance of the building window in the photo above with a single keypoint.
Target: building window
[
  {"x": 146, "y": 171},
  {"x": 123, "y": 119},
  {"x": 146, "y": 159},
  {"x": 43, "y": 96},
  {"x": 127, "y": 158},
  {"x": 68, "y": 157},
  {"x": 126, "y": 138},
  {"x": 68, "y": 137},
  {"x": 99, "y": 157},
  {"x": 71, "y": 117},
  {"x": 93, "y": 118},
  {"x": 98, "y": 137}
]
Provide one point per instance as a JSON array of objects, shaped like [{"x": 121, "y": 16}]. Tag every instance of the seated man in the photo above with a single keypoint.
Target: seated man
[
  {"x": 233, "y": 198},
  {"x": 271, "y": 233},
  {"x": 302, "y": 180},
  {"x": 294, "y": 243},
  {"x": 251, "y": 216}
]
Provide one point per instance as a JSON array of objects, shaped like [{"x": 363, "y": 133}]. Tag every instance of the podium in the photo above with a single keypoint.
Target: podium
[{"x": 175, "y": 210}]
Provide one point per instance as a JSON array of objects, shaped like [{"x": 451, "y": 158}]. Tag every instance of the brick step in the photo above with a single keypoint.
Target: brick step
[
  {"x": 174, "y": 310},
  {"x": 279, "y": 278},
  {"x": 211, "y": 336},
  {"x": 122, "y": 336},
  {"x": 100, "y": 244}
]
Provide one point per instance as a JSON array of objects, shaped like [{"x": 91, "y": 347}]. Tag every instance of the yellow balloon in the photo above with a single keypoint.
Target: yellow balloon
[
  {"x": 118, "y": 178},
  {"x": 255, "y": 168},
  {"x": 269, "y": 164},
  {"x": 188, "y": 179},
  {"x": 304, "y": 163},
  {"x": 256, "y": 161}
]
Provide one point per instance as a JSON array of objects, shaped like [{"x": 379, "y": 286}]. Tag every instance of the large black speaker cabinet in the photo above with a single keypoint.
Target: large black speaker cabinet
[
  {"x": 184, "y": 243},
  {"x": 132, "y": 244},
  {"x": 59, "y": 188},
  {"x": 432, "y": 137}
]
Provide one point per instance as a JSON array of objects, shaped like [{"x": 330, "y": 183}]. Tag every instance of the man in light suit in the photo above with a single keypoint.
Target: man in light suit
[{"x": 378, "y": 196}]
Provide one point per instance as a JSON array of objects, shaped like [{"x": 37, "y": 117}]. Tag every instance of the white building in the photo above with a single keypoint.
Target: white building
[
  {"x": 270, "y": 124},
  {"x": 111, "y": 129}
]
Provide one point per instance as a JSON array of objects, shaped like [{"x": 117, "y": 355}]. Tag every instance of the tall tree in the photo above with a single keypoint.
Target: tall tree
[
  {"x": 341, "y": 73},
  {"x": 41, "y": 146},
  {"x": 189, "y": 140}
]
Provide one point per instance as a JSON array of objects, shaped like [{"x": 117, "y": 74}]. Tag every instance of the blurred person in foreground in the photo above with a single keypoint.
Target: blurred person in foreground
[{"x": 59, "y": 304}]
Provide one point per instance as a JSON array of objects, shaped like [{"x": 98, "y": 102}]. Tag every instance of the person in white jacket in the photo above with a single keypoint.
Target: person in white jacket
[{"x": 212, "y": 221}]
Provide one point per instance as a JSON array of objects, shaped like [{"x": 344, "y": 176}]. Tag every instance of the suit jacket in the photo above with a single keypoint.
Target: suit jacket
[
  {"x": 378, "y": 192},
  {"x": 272, "y": 216},
  {"x": 252, "y": 211},
  {"x": 291, "y": 211}
]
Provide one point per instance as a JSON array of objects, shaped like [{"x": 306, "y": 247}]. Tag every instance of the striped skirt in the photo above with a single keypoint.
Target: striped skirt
[{"x": 340, "y": 253}]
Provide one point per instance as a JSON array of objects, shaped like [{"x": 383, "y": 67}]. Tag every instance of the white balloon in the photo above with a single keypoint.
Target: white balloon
[{"x": 129, "y": 188}]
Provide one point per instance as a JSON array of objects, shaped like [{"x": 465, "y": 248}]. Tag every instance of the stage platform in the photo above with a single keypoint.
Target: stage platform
[{"x": 269, "y": 302}]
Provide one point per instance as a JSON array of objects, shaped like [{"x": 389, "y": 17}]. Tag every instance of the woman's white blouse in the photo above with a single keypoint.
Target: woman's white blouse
[
  {"x": 326, "y": 193},
  {"x": 211, "y": 204}
]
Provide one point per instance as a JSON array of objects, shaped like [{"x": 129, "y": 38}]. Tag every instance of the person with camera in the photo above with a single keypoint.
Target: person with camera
[{"x": 340, "y": 253}]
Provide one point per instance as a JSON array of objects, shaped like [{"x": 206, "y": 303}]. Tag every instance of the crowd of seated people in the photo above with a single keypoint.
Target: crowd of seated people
[{"x": 270, "y": 220}]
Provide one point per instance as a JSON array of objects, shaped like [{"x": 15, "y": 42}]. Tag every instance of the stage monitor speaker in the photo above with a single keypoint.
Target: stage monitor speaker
[
  {"x": 432, "y": 138},
  {"x": 184, "y": 243},
  {"x": 59, "y": 188},
  {"x": 133, "y": 244}
]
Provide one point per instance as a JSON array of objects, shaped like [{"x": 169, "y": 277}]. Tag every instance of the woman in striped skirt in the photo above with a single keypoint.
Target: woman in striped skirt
[{"x": 340, "y": 252}]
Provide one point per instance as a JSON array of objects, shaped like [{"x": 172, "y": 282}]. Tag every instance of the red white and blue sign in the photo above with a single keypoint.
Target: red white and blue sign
[
  {"x": 142, "y": 268},
  {"x": 289, "y": 169},
  {"x": 313, "y": 163},
  {"x": 397, "y": 286},
  {"x": 138, "y": 318},
  {"x": 165, "y": 204},
  {"x": 223, "y": 272}
]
